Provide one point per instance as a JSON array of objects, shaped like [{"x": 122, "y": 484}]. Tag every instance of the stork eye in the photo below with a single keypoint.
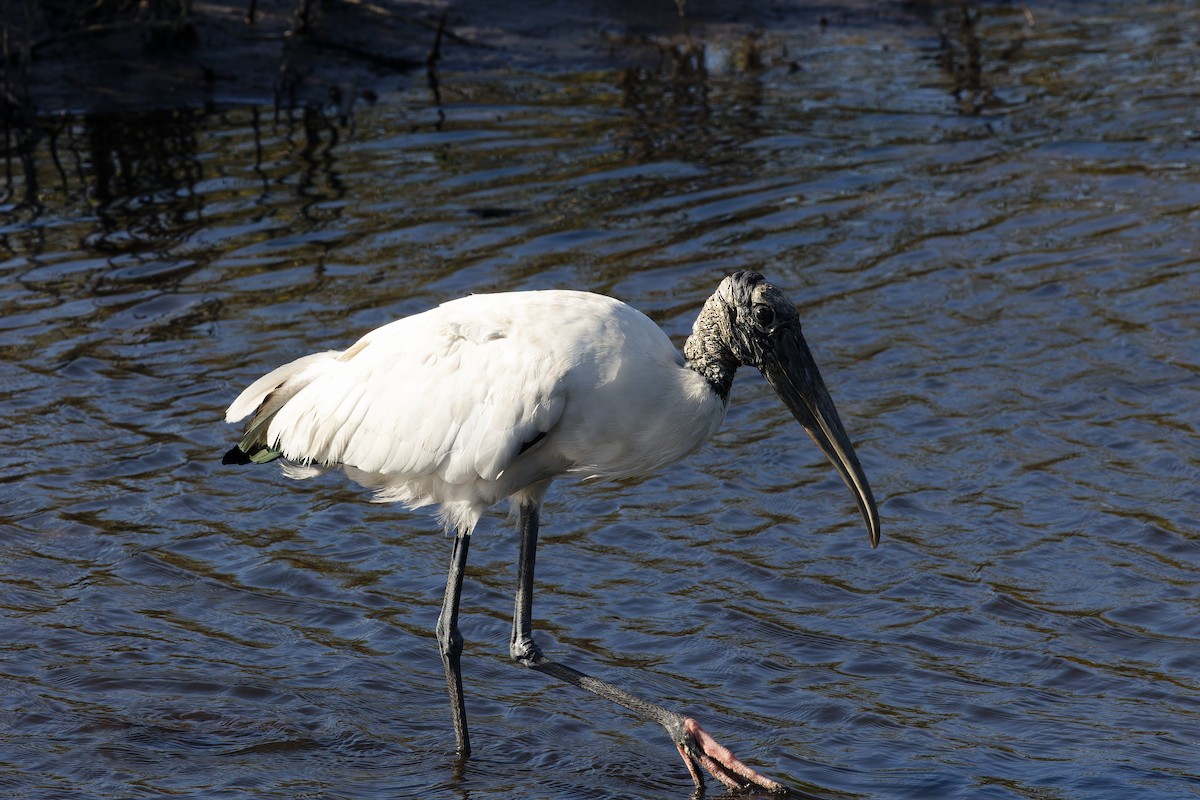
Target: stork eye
[{"x": 764, "y": 315}]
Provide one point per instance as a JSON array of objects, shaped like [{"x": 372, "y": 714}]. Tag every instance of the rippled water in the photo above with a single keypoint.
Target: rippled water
[{"x": 991, "y": 228}]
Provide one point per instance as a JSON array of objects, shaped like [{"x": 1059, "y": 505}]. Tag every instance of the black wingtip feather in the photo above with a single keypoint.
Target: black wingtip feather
[{"x": 236, "y": 456}]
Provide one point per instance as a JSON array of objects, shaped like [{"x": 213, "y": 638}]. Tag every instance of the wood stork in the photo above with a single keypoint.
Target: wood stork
[{"x": 493, "y": 396}]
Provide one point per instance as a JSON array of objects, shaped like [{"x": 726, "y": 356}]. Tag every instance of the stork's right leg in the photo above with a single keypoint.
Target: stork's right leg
[
  {"x": 450, "y": 641},
  {"x": 695, "y": 746},
  {"x": 521, "y": 646}
]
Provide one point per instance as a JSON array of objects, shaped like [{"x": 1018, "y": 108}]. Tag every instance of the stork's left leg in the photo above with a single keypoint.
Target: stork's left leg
[{"x": 697, "y": 748}]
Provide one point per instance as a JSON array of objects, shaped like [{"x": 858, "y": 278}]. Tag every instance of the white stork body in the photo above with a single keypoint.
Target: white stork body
[
  {"x": 494, "y": 396},
  {"x": 436, "y": 408}
]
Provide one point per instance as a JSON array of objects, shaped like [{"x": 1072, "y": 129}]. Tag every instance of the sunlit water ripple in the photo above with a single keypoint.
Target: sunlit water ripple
[{"x": 997, "y": 271}]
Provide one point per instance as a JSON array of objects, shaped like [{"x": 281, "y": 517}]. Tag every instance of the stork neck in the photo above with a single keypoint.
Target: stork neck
[{"x": 705, "y": 351}]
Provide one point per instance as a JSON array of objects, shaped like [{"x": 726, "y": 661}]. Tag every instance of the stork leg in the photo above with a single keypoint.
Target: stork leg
[
  {"x": 695, "y": 745},
  {"x": 450, "y": 641},
  {"x": 521, "y": 646}
]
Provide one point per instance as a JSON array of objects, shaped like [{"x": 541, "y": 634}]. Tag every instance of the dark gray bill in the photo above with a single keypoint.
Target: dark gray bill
[{"x": 790, "y": 369}]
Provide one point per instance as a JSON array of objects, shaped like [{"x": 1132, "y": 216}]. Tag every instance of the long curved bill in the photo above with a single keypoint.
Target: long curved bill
[{"x": 790, "y": 369}]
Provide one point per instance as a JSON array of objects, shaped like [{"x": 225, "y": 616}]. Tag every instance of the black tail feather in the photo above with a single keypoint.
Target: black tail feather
[
  {"x": 257, "y": 454},
  {"x": 236, "y": 456}
]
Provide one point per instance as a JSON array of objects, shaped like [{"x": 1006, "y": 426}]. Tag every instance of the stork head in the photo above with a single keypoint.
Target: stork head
[{"x": 760, "y": 328}]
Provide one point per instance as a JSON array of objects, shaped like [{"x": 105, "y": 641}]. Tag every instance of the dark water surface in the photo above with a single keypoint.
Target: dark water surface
[{"x": 992, "y": 229}]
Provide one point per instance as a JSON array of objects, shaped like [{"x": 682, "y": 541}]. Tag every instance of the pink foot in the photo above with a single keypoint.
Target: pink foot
[{"x": 699, "y": 749}]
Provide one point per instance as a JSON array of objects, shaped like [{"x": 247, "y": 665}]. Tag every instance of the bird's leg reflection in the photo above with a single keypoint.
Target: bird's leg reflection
[{"x": 695, "y": 745}]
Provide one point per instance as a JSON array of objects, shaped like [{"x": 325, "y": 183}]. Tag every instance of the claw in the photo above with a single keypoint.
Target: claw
[{"x": 699, "y": 749}]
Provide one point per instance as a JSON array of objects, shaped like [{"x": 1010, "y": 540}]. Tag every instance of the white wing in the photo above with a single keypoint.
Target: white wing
[
  {"x": 451, "y": 394},
  {"x": 445, "y": 393}
]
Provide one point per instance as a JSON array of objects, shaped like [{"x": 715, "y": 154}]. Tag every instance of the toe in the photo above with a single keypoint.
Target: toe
[{"x": 723, "y": 764}]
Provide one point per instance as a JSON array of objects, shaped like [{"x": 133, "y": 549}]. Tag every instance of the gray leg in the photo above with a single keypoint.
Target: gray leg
[
  {"x": 450, "y": 641},
  {"x": 695, "y": 746},
  {"x": 521, "y": 645},
  {"x": 525, "y": 651}
]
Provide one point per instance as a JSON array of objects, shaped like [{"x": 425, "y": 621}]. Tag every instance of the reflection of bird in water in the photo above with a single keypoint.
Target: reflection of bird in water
[{"x": 492, "y": 397}]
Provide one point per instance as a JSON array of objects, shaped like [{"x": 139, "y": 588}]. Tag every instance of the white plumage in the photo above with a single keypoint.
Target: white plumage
[{"x": 435, "y": 408}]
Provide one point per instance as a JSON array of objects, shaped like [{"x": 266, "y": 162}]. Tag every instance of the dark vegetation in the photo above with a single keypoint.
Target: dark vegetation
[{"x": 134, "y": 69}]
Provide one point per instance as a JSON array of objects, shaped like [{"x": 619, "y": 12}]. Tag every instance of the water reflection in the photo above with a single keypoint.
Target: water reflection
[
  {"x": 691, "y": 97},
  {"x": 995, "y": 260},
  {"x": 145, "y": 181},
  {"x": 973, "y": 46},
  {"x": 141, "y": 173}
]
